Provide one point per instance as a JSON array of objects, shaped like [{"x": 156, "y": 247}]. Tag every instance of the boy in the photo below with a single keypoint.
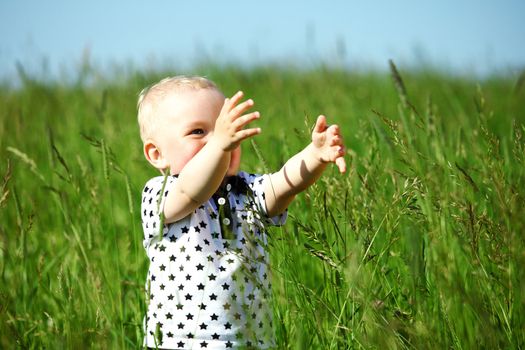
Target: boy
[{"x": 208, "y": 283}]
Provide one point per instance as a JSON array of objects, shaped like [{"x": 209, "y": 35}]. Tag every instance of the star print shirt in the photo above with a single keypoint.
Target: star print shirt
[{"x": 206, "y": 290}]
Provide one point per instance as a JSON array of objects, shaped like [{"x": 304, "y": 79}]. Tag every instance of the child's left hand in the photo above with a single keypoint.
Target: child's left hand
[{"x": 329, "y": 143}]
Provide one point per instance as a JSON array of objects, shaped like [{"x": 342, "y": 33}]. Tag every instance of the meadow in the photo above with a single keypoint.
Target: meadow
[{"x": 420, "y": 245}]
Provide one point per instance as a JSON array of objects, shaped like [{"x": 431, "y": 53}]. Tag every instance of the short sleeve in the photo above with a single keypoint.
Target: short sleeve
[
  {"x": 153, "y": 199},
  {"x": 257, "y": 185}
]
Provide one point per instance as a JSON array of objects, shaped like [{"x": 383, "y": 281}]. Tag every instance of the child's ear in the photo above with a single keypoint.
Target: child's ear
[{"x": 154, "y": 155}]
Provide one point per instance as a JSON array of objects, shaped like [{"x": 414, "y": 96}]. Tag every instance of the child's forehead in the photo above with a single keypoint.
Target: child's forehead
[
  {"x": 183, "y": 104},
  {"x": 189, "y": 94}
]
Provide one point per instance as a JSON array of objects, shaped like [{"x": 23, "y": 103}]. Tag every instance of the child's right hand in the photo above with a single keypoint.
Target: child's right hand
[{"x": 229, "y": 127}]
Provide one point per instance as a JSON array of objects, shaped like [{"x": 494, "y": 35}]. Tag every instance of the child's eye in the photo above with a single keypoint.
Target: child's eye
[{"x": 197, "y": 132}]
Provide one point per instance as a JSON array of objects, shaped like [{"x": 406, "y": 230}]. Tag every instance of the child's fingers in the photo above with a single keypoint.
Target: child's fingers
[
  {"x": 341, "y": 164},
  {"x": 337, "y": 151},
  {"x": 241, "y": 108},
  {"x": 320, "y": 124},
  {"x": 333, "y": 130},
  {"x": 243, "y": 134},
  {"x": 336, "y": 140},
  {"x": 240, "y": 122},
  {"x": 230, "y": 102},
  {"x": 236, "y": 98},
  {"x": 225, "y": 106}
]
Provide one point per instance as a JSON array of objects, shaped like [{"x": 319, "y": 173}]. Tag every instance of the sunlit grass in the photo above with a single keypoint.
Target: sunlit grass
[{"x": 419, "y": 245}]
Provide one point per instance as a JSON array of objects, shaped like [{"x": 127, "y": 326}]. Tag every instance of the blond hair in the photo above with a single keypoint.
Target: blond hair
[{"x": 151, "y": 95}]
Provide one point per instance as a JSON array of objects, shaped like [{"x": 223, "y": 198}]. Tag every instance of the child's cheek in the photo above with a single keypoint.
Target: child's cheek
[
  {"x": 180, "y": 162},
  {"x": 235, "y": 162}
]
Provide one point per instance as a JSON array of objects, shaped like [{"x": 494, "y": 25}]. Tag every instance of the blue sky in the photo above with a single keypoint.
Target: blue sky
[{"x": 462, "y": 36}]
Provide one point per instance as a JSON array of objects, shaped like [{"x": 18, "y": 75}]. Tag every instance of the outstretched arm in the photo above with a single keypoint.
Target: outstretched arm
[
  {"x": 203, "y": 174},
  {"x": 303, "y": 169}
]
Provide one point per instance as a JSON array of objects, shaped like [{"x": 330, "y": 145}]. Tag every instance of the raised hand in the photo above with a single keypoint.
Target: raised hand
[
  {"x": 328, "y": 143},
  {"x": 229, "y": 126}
]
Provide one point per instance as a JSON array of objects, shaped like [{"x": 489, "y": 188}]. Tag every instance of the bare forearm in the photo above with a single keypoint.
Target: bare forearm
[
  {"x": 203, "y": 174},
  {"x": 197, "y": 182},
  {"x": 299, "y": 173},
  {"x": 303, "y": 169}
]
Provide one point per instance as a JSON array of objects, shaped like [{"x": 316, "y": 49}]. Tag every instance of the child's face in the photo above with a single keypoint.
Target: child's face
[{"x": 187, "y": 122}]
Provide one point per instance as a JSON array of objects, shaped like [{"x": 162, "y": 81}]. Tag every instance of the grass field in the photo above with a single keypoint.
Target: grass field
[{"x": 420, "y": 245}]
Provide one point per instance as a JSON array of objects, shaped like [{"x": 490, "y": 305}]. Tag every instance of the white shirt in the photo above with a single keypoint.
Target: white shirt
[{"x": 205, "y": 291}]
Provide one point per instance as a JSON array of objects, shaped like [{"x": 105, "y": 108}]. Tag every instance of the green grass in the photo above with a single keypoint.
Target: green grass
[{"x": 420, "y": 245}]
